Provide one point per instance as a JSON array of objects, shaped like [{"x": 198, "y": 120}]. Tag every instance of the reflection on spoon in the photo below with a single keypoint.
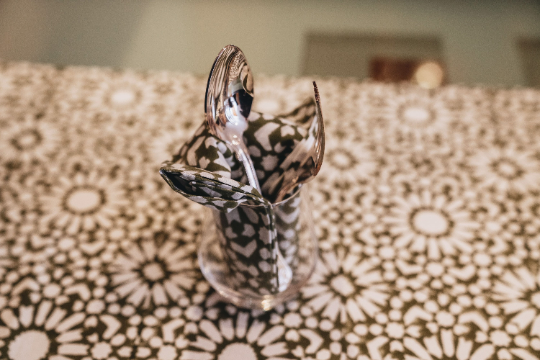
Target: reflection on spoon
[{"x": 229, "y": 95}]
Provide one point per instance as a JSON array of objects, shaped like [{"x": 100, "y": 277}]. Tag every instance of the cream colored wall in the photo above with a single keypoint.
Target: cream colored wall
[{"x": 478, "y": 36}]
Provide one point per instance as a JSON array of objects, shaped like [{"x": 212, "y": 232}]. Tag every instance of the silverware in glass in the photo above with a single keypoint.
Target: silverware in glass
[{"x": 229, "y": 95}]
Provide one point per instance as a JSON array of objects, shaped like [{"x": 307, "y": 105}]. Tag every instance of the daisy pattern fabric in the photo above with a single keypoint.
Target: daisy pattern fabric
[{"x": 427, "y": 210}]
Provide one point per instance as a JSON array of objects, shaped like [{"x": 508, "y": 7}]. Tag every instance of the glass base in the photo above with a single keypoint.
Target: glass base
[{"x": 216, "y": 269}]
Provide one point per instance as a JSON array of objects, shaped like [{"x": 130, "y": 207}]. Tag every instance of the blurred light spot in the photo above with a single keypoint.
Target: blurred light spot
[{"x": 429, "y": 75}]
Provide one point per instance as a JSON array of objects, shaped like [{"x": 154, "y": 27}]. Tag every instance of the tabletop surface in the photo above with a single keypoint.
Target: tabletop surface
[{"x": 427, "y": 209}]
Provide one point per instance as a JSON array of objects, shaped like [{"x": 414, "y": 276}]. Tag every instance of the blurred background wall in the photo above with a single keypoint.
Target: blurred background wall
[{"x": 478, "y": 41}]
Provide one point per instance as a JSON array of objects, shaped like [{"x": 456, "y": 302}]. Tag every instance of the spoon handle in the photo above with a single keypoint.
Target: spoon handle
[{"x": 242, "y": 155}]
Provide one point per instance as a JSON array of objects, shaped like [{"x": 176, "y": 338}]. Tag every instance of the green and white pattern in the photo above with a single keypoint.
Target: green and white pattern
[
  {"x": 210, "y": 188},
  {"x": 427, "y": 209},
  {"x": 251, "y": 234}
]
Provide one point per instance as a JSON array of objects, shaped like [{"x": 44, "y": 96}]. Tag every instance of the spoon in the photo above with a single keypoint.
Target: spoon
[
  {"x": 305, "y": 161},
  {"x": 229, "y": 95},
  {"x": 227, "y": 104}
]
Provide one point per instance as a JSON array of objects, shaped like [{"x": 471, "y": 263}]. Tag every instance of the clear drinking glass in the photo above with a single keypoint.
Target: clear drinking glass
[{"x": 238, "y": 251}]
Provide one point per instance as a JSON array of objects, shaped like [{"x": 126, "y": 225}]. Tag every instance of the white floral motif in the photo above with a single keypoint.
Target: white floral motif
[
  {"x": 268, "y": 101},
  {"x": 24, "y": 88},
  {"x": 507, "y": 169},
  {"x": 519, "y": 295},
  {"x": 124, "y": 96},
  {"x": 441, "y": 273},
  {"x": 167, "y": 145},
  {"x": 147, "y": 273},
  {"x": 84, "y": 202},
  {"x": 530, "y": 215},
  {"x": 50, "y": 330},
  {"x": 114, "y": 339},
  {"x": 432, "y": 223},
  {"x": 492, "y": 341},
  {"x": 414, "y": 113},
  {"x": 28, "y": 140},
  {"x": 345, "y": 286},
  {"x": 233, "y": 340},
  {"x": 440, "y": 319},
  {"x": 515, "y": 101},
  {"x": 344, "y": 163},
  {"x": 428, "y": 332},
  {"x": 320, "y": 338}
]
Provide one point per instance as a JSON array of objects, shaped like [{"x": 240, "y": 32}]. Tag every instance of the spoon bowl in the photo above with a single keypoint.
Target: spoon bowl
[{"x": 227, "y": 104}]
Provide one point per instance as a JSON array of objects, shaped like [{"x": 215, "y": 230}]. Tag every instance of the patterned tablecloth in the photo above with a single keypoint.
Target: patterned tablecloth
[{"x": 427, "y": 207}]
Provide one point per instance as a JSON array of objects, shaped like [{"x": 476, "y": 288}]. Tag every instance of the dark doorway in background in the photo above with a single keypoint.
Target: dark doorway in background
[
  {"x": 529, "y": 50},
  {"x": 381, "y": 57}
]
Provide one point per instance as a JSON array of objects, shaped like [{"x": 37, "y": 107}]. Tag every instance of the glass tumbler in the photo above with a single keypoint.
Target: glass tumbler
[{"x": 258, "y": 256}]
